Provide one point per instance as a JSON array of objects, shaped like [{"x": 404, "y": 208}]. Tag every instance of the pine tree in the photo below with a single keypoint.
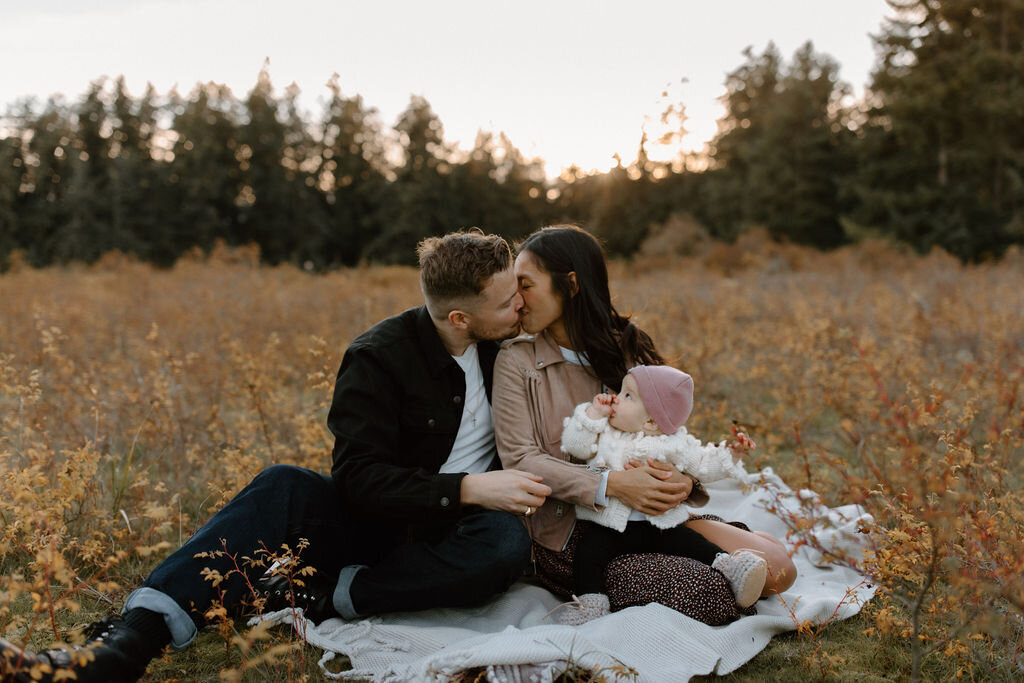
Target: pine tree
[
  {"x": 205, "y": 178},
  {"x": 423, "y": 199},
  {"x": 783, "y": 148},
  {"x": 943, "y": 156},
  {"x": 351, "y": 179},
  {"x": 12, "y": 169},
  {"x": 495, "y": 189},
  {"x": 264, "y": 206},
  {"x": 86, "y": 231},
  {"x": 138, "y": 182},
  {"x": 48, "y": 166}
]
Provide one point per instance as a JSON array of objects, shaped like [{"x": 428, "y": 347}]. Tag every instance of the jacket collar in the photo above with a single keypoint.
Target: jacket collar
[
  {"x": 488, "y": 351},
  {"x": 437, "y": 355},
  {"x": 547, "y": 351},
  {"x": 438, "y": 358}
]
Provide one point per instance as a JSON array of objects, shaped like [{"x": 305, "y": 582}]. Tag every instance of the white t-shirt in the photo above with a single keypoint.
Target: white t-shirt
[
  {"x": 572, "y": 357},
  {"x": 474, "y": 448}
]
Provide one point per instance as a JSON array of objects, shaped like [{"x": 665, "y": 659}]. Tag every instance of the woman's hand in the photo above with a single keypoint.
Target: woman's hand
[
  {"x": 513, "y": 491},
  {"x": 652, "y": 487}
]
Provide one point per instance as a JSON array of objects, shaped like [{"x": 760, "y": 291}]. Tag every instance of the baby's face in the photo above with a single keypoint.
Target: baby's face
[{"x": 628, "y": 411}]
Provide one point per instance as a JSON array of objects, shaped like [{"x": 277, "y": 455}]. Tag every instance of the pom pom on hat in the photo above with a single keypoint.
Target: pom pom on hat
[{"x": 667, "y": 395}]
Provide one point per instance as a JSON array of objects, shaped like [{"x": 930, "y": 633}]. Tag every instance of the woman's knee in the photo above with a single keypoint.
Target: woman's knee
[
  {"x": 781, "y": 570},
  {"x": 774, "y": 540}
]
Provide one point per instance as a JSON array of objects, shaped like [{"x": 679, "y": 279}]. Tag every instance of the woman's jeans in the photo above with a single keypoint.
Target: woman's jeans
[{"x": 479, "y": 555}]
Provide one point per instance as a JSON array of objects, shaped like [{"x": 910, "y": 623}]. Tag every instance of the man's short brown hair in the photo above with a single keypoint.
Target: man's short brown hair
[{"x": 458, "y": 266}]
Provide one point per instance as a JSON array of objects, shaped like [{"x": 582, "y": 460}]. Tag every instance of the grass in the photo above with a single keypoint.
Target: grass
[{"x": 135, "y": 401}]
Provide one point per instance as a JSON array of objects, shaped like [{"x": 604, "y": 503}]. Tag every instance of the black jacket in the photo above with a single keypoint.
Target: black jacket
[{"x": 395, "y": 414}]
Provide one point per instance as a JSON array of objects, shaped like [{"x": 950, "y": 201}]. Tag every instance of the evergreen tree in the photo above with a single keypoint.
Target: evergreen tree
[
  {"x": 303, "y": 212},
  {"x": 48, "y": 166},
  {"x": 85, "y": 233},
  {"x": 12, "y": 165},
  {"x": 783, "y": 148},
  {"x": 943, "y": 153},
  {"x": 576, "y": 192},
  {"x": 204, "y": 176},
  {"x": 495, "y": 189},
  {"x": 351, "y": 178},
  {"x": 623, "y": 209},
  {"x": 525, "y": 183},
  {"x": 138, "y": 183},
  {"x": 629, "y": 201},
  {"x": 423, "y": 203},
  {"x": 266, "y": 205},
  {"x": 476, "y": 197}
]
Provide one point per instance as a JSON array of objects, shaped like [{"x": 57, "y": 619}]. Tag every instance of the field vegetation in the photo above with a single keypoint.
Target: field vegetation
[{"x": 134, "y": 401}]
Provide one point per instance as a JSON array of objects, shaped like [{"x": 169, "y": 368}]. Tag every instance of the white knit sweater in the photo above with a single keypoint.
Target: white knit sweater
[{"x": 586, "y": 438}]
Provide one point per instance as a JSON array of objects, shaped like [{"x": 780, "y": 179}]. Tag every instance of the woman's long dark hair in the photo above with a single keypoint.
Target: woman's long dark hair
[{"x": 609, "y": 341}]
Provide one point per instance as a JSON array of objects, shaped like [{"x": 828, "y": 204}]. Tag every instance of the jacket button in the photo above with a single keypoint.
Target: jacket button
[
  {"x": 445, "y": 501},
  {"x": 456, "y": 400},
  {"x": 540, "y": 363},
  {"x": 431, "y": 423}
]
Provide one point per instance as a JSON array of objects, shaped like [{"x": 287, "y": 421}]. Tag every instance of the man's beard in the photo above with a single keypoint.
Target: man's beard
[{"x": 494, "y": 334}]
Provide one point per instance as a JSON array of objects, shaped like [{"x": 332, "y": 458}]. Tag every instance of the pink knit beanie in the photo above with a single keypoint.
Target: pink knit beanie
[{"x": 667, "y": 395}]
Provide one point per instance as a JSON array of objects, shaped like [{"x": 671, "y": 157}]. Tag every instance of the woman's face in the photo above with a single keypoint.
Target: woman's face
[{"x": 542, "y": 306}]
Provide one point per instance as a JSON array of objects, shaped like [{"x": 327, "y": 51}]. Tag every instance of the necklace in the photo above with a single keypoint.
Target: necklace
[
  {"x": 472, "y": 413},
  {"x": 473, "y": 405},
  {"x": 475, "y": 397}
]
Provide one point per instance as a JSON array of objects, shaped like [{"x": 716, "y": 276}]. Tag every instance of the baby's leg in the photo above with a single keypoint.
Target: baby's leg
[
  {"x": 597, "y": 547},
  {"x": 781, "y": 570},
  {"x": 683, "y": 542}
]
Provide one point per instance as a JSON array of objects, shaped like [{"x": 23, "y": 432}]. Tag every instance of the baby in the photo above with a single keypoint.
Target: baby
[{"x": 645, "y": 421}]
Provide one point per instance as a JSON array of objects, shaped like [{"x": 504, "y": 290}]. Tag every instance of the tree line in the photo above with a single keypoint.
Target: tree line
[{"x": 933, "y": 155}]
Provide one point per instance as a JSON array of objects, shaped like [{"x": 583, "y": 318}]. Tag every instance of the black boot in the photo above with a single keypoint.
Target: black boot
[
  {"x": 315, "y": 598},
  {"x": 113, "y": 652}
]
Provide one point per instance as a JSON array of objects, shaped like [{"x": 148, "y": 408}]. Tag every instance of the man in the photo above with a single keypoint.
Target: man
[{"x": 416, "y": 513}]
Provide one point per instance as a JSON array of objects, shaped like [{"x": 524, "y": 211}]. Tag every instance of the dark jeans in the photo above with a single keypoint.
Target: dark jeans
[
  {"x": 599, "y": 545},
  {"x": 464, "y": 563}
]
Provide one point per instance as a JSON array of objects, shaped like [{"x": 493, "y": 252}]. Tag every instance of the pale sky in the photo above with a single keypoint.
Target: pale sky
[{"x": 570, "y": 81}]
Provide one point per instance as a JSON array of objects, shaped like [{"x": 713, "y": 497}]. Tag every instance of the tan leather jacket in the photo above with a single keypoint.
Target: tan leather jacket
[{"x": 535, "y": 389}]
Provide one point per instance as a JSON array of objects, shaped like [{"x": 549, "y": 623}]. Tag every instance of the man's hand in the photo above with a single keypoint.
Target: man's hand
[
  {"x": 509, "y": 490},
  {"x": 652, "y": 488},
  {"x": 600, "y": 407}
]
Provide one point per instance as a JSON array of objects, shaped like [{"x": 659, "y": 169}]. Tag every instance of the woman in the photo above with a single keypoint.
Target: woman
[{"x": 581, "y": 346}]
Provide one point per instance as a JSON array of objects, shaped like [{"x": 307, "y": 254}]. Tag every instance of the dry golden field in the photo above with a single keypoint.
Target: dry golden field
[{"x": 134, "y": 401}]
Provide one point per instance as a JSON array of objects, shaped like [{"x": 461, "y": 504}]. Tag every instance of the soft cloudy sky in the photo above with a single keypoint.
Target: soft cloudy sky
[{"x": 570, "y": 81}]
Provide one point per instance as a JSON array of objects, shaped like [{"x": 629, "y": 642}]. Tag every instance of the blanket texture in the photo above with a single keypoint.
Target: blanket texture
[{"x": 515, "y": 640}]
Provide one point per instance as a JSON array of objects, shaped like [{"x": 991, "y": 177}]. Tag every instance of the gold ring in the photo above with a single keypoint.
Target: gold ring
[{"x": 529, "y": 511}]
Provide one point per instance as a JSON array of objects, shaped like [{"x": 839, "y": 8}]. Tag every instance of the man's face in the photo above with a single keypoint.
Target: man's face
[
  {"x": 628, "y": 411},
  {"x": 495, "y": 315}
]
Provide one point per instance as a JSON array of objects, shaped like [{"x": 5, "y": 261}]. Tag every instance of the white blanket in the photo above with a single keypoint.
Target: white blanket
[{"x": 512, "y": 637}]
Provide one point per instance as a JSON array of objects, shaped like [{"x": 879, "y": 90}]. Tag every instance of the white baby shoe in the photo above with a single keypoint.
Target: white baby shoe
[
  {"x": 585, "y": 608},
  {"x": 746, "y": 573}
]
